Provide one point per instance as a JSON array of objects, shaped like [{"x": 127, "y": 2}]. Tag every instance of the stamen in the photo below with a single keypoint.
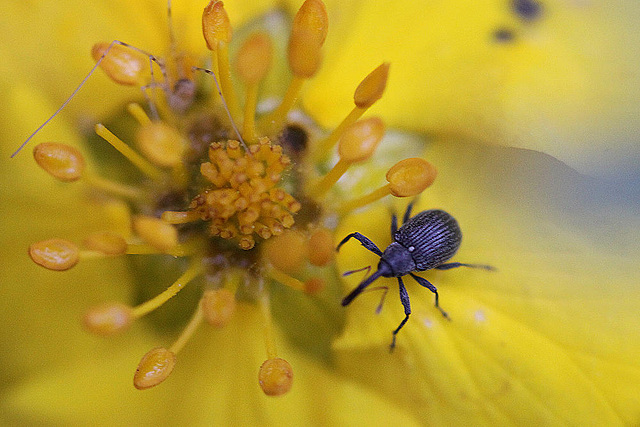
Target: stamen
[
  {"x": 176, "y": 217},
  {"x": 156, "y": 232},
  {"x": 321, "y": 249},
  {"x": 275, "y": 377},
  {"x": 357, "y": 144},
  {"x": 406, "y": 178},
  {"x": 135, "y": 158},
  {"x": 61, "y": 161},
  {"x": 138, "y": 113},
  {"x": 154, "y": 368},
  {"x": 308, "y": 33},
  {"x": 366, "y": 94},
  {"x": 107, "y": 243},
  {"x": 253, "y": 63},
  {"x": 189, "y": 330},
  {"x": 55, "y": 254},
  {"x": 192, "y": 272},
  {"x": 285, "y": 279},
  {"x": 123, "y": 65},
  {"x": 180, "y": 250},
  {"x": 217, "y": 33},
  {"x": 112, "y": 187},
  {"x": 218, "y": 306},
  {"x": 108, "y": 319},
  {"x": 161, "y": 144}
]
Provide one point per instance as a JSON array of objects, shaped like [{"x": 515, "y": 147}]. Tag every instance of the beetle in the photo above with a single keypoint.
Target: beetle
[{"x": 424, "y": 242}]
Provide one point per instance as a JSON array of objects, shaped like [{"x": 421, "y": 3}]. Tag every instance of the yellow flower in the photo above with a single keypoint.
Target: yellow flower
[{"x": 549, "y": 338}]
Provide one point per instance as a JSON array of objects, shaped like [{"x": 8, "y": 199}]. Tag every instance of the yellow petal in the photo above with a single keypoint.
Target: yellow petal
[
  {"x": 550, "y": 338},
  {"x": 215, "y": 381},
  {"x": 567, "y": 84}
]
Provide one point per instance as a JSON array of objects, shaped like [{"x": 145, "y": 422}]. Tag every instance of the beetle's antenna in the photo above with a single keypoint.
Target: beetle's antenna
[
  {"x": 226, "y": 107},
  {"x": 348, "y": 273},
  {"x": 357, "y": 291}
]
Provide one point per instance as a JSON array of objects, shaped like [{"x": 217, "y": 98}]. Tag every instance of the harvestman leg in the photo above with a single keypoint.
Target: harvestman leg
[
  {"x": 424, "y": 282},
  {"x": 404, "y": 298}
]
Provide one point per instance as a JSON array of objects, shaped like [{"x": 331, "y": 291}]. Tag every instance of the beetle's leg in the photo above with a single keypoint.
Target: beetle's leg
[
  {"x": 424, "y": 282},
  {"x": 450, "y": 265},
  {"x": 364, "y": 241},
  {"x": 404, "y": 298},
  {"x": 394, "y": 225},
  {"x": 407, "y": 213},
  {"x": 358, "y": 290}
]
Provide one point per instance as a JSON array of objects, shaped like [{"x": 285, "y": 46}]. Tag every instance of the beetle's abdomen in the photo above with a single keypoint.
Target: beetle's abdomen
[{"x": 434, "y": 235}]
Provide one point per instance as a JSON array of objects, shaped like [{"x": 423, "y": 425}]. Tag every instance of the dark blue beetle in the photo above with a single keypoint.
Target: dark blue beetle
[{"x": 425, "y": 241}]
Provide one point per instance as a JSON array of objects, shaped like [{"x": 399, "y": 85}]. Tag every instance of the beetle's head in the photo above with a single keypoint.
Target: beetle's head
[{"x": 396, "y": 261}]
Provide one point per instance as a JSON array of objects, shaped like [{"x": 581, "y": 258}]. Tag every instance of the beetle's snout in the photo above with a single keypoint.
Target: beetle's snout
[{"x": 396, "y": 261}]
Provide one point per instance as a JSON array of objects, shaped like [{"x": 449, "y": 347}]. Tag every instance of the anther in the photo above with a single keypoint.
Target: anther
[
  {"x": 55, "y": 254},
  {"x": 108, "y": 319},
  {"x": 161, "y": 144},
  {"x": 123, "y": 65},
  {"x": 366, "y": 94},
  {"x": 357, "y": 144},
  {"x": 156, "y": 232},
  {"x": 308, "y": 32},
  {"x": 314, "y": 286},
  {"x": 407, "y": 178},
  {"x": 287, "y": 252},
  {"x": 216, "y": 29},
  {"x": 107, "y": 243},
  {"x": 61, "y": 161},
  {"x": 218, "y": 306},
  {"x": 253, "y": 63},
  {"x": 275, "y": 377},
  {"x": 154, "y": 368},
  {"x": 321, "y": 248}
]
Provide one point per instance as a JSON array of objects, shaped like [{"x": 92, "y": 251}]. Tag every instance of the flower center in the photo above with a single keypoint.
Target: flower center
[{"x": 245, "y": 205}]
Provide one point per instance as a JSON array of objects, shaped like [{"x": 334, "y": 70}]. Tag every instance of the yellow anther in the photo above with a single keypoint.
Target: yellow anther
[
  {"x": 254, "y": 58},
  {"x": 360, "y": 140},
  {"x": 215, "y": 24},
  {"x": 154, "y": 368},
  {"x": 308, "y": 32},
  {"x": 366, "y": 94},
  {"x": 61, "y": 161},
  {"x": 287, "y": 252},
  {"x": 55, "y": 254},
  {"x": 123, "y": 65},
  {"x": 107, "y": 243},
  {"x": 314, "y": 286},
  {"x": 372, "y": 87},
  {"x": 406, "y": 178},
  {"x": 108, "y": 319},
  {"x": 321, "y": 248},
  {"x": 246, "y": 242},
  {"x": 156, "y": 232},
  {"x": 410, "y": 177},
  {"x": 357, "y": 144},
  {"x": 161, "y": 144},
  {"x": 218, "y": 306},
  {"x": 275, "y": 377}
]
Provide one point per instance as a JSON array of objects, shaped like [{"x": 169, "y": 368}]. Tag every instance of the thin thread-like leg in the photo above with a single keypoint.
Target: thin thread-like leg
[
  {"x": 450, "y": 265},
  {"x": 394, "y": 225},
  {"x": 424, "y": 282},
  {"x": 404, "y": 298},
  {"x": 364, "y": 241}
]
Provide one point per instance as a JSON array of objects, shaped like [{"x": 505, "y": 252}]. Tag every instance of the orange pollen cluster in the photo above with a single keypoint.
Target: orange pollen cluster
[{"x": 246, "y": 199}]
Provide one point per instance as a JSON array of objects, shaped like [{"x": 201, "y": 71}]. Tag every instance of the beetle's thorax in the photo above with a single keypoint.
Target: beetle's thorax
[{"x": 396, "y": 261}]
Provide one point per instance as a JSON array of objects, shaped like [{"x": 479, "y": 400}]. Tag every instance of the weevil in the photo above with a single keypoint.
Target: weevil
[{"x": 423, "y": 242}]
